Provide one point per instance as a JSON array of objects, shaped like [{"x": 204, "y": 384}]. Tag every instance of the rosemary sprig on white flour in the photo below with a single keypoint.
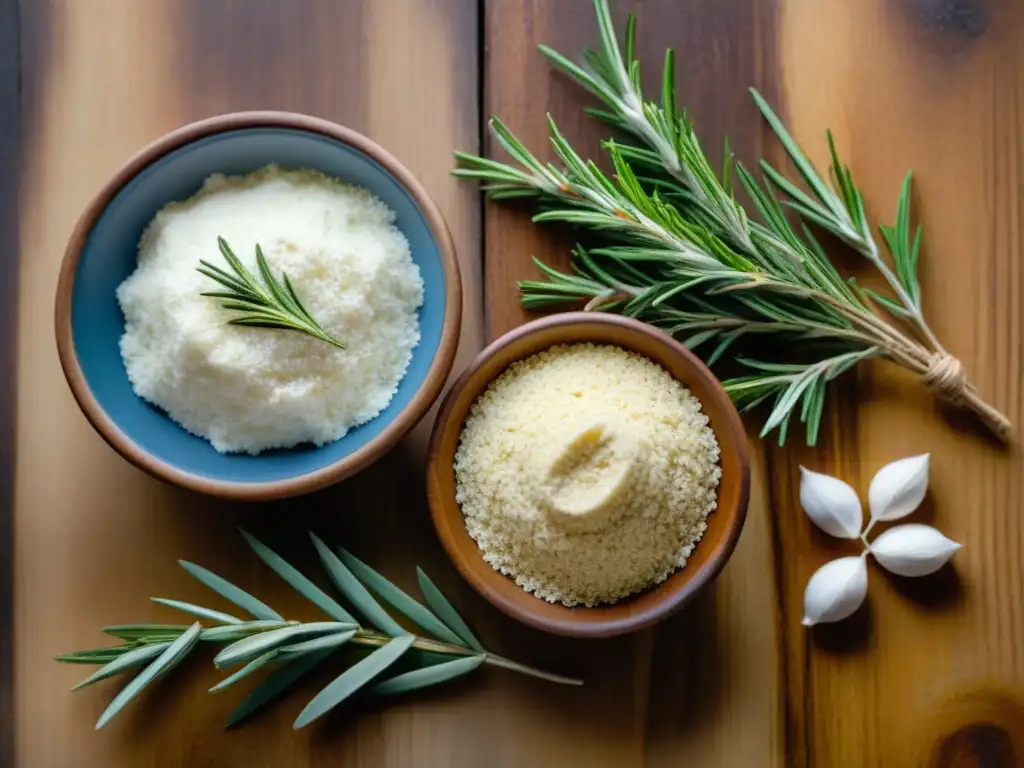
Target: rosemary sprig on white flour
[
  {"x": 682, "y": 253},
  {"x": 398, "y": 661},
  {"x": 271, "y": 303}
]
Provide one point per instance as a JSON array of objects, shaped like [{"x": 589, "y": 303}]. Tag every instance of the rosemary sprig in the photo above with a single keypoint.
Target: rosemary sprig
[
  {"x": 290, "y": 649},
  {"x": 682, "y": 253},
  {"x": 271, "y": 303}
]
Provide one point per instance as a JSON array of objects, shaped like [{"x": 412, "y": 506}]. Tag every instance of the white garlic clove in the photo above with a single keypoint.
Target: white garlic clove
[
  {"x": 835, "y": 591},
  {"x": 831, "y": 504},
  {"x": 897, "y": 489},
  {"x": 913, "y": 549}
]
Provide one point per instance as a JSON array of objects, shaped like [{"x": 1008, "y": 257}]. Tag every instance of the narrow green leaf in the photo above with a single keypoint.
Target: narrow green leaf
[
  {"x": 352, "y": 679},
  {"x": 248, "y": 647},
  {"x": 317, "y": 644},
  {"x": 231, "y": 632},
  {"x": 815, "y": 411},
  {"x": 891, "y": 306},
  {"x": 723, "y": 345},
  {"x": 423, "y": 678},
  {"x": 258, "y": 663},
  {"x": 134, "y": 632},
  {"x": 668, "y": 91},
  {"x": 903, "y": 211},
  {"x": 793, "y": 150},
  {"x": 95, "y": 655},
  {"x": 398, "y": 600},
  {"x": 269, "y": 281},
  {"x": 230, "y": 592},
  {"x": 300, "y": 583},
  {"x": 577, "y": 73},
  {"x": 630, "y": 38},
  {"x": 915, "y": 252},
  {"x": 198, "y": 610},
  {"x": 124, "y": 662},
  {"x": 446, "y": 611},
  {"x": 356, "y": 593},
  {"x": 276, "y": 683},
  {"x": 166, "y": 661},
  {"x": 695, "y": 340},
  {"x": 788, "y": 399},
  {"x": 797, "y": 194}
]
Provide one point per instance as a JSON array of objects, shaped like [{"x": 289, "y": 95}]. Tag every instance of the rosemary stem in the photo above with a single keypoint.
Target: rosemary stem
[
  {"x": 869, "y": 249},
  {"x": 504, "y": 663},
  {"x": 377, "y": 640},
  {"x": 368, "y": 638}
]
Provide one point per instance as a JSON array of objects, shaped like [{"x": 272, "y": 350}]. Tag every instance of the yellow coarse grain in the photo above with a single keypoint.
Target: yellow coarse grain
[{"x": 586, "y": 473}]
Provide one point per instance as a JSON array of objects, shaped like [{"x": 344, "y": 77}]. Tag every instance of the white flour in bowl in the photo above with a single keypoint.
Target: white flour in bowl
[{"x": 251, "y": 389}]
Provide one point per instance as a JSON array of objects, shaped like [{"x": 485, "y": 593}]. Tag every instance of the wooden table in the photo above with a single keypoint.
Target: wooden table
[{"x": 930, "y": 673}]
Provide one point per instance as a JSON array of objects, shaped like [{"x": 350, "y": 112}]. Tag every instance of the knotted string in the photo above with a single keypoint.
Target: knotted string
[{"x": 946, "y": 378}]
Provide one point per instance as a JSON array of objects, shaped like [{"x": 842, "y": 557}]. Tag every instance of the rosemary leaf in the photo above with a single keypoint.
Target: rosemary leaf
[
  {"x": 302, "y": 585},
  {"x": 352, "y": 679},
  {"x": 446, "y": 611},
  {"x": 230, "y": 592},
  {"x": 317, "y": 644},
  {"x": 427, "y": 676},
  {"x": 245, "y": 649},
  {"x": 265, "y": 302},
  {"x": 398, "y": 600},
  {"x": 256, "y": 664},
  {"x": 232, "y": 632},
  {"x": 124, "y": 662},
  {"x": 357, "y": 594},
  {"x": 145, "y": 632},
  {"x": 198, "y": 611},
  {"x": 276, "y": 683},
  {"x": 166, "y": 661}
]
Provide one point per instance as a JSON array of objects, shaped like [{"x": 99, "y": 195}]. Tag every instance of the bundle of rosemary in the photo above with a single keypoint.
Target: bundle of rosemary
[
  {"x": 399, "y": 661},
  {"x": 680, "y": 252}
]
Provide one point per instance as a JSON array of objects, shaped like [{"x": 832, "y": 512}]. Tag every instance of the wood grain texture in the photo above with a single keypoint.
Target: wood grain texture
[
  {"x": 95, "y": 537},
  {"x": 932, "y": 672},
  {"x": 10, "y": 154}
]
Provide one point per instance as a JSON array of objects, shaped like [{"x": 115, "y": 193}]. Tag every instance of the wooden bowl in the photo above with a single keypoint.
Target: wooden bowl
[
  {"x": 723, "y": 525},
  {"x": 103, "y": 251}
]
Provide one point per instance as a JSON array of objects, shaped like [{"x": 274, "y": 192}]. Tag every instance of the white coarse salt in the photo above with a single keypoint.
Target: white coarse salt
[{"x": 251, "y": 389}]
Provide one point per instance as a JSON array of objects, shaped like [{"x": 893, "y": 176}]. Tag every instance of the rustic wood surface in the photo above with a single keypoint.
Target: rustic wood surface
[{"x": 930, "y": 673}]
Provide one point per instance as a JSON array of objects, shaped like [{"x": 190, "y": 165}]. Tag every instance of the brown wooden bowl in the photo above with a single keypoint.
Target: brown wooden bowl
[{"x": 723, "y": 525}]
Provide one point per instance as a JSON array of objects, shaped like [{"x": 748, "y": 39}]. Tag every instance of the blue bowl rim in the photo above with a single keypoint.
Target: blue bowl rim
[{"x": 418, "y": 406}]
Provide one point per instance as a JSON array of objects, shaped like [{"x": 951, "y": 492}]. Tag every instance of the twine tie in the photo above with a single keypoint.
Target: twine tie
[{"x": 946, "y": 378}]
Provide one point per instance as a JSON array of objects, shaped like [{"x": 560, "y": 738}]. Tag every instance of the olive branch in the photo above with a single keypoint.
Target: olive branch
[{"x": 398, "y": 661}]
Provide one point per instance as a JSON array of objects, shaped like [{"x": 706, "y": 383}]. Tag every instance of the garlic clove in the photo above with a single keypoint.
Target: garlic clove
[
  {"x": 913, "y": 549},
  {"x": 831, "y": 504},
  {"x": 897, "y": 489},
  {"x": 835, "y": 591}
]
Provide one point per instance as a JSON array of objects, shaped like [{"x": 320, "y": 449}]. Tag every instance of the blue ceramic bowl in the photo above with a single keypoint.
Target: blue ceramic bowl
[{"x": 103, "y": 251}]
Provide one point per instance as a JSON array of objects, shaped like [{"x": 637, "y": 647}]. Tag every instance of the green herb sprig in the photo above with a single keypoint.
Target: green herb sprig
[
  {"x": 681, "y": 252},
  {"x": 271, "y": 303},
  {"x": 290, "y": 649}
]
